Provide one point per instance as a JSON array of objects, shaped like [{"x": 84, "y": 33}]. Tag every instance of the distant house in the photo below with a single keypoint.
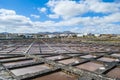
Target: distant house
[
  {"x": 86, "y": 34},
  {"x": 40, "y": 36},
  {"x": 97, "y": 35},
  {"x": 11, "y": 36},
  {"x": 2, "y": 36},
  {"x": 63, "y": 35},
  {"x": 72, "y": 35},
  {"x": 28, "y": 35},
  {"x": 80, "y": 35},
  {"x": 8, "y": 36},
  {"x": 51, "y": 35}
]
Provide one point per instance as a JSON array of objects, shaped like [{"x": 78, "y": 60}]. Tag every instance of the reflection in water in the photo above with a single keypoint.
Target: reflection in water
[
  {"x": 90, "y": 66},
  {"x": 32, "y": 69},
  {"x": 18, "y": 62},
  {"x": 88, "y": 56},
  {"x": 1, "y": 56},
  {"x": 106, "y": 59},
  {"x": 54, "y": 57},
  {"x": 116, "y": 55},
  {"x": 13, "y": 58},
  {"x": 56, "y": 76}
]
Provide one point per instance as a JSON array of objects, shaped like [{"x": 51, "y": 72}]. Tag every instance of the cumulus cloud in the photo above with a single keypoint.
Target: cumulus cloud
[
  {"x": 18, "y": 23},
  {"x": 71, "y": 13},
  {"x": 103, "y": 28},
  {"x": 4, "y": 12},
  {"x": 11, "y": 21},
  {"x": 67, "y": 8},
  {"x": 102, "y": 7}
]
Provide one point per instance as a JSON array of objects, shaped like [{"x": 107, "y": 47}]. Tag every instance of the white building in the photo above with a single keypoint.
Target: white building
[
  {"x": 63, "y": 35},
  {"x": 80, "y": 35},
  {"x": 96, "y": 35},
  {"x": 51, "y": 35}
]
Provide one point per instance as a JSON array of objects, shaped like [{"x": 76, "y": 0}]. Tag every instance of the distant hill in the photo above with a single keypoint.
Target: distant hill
[
  {"x": 65, "y": 32},
  {"x": 44, "y": 32},
  {"x": 68, "y": 32},
  {"x": 4, "y": 33}
]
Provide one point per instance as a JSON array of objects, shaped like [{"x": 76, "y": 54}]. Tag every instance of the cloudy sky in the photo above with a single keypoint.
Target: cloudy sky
[{"x": 83, "y": 16}]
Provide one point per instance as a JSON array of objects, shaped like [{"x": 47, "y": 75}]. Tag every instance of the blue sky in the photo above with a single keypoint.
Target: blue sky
[
  {"x": 23, "y": 7},
  {"x": 83, "y": 16}
]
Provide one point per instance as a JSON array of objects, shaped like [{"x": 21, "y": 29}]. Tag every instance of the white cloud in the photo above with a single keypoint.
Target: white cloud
[
  {"x": 68, "y": 11},
  {"x": 103, "y": 28},
  {"x": 42, "y": 9},
  {"x": 11, "y": 21},
  {"x": 53, "y": 16},
  {"x": 4, "y": 12},
  {"x": 35, "y": 16},
  {"x": 112, "y": 17},
  {"x": 68, "y": 8},
  {"x": 17, "y": 23},
  {"x": 102, "y": 7}
]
